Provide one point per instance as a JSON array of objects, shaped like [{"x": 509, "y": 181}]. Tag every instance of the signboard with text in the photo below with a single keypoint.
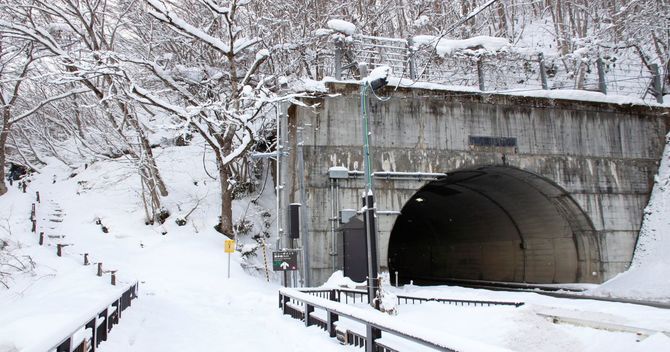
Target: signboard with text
[{"x": 284, "y": 260}]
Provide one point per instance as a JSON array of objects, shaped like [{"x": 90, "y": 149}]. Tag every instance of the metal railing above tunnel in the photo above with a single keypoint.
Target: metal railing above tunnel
[{"x": 489, "y": 71}]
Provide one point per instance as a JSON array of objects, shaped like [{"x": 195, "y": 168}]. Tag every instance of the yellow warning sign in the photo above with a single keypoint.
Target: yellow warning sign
[{"x": 229, "y": 246}]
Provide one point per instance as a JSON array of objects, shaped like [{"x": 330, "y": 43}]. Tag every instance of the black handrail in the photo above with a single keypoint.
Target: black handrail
[
  {"x": 461, "y": 302},
  {"x": 290, "y": 300},
  {"x": 100, "y": 324}
]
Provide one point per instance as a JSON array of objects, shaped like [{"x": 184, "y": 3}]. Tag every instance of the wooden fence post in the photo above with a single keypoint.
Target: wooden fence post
[
  {"x": 308, "y": 310},
  {"x": 65, "y": 346},
  {"x": 332, "y": 318},
  {"x": 371, "y": 335},
  {"x": 33, "y": 218},
  {"x": 94, "y": 334},
  {"x": 103, "y": 328},
  {"x": 285, "y": 300}
]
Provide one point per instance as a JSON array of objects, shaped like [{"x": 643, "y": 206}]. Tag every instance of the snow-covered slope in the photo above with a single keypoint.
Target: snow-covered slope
[
  {"x": 649, "y": 274},
  {"x": 186, "y": 301}
]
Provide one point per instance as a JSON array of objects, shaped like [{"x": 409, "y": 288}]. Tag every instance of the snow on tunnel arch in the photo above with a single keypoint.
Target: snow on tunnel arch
[{"x": 494, "y": 223}]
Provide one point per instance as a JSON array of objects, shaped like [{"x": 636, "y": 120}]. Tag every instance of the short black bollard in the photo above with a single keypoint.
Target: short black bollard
[
  {"x": 86, "y": 262},
  {"x": 37, "y": 193},
  {"x": 59, "y": 249},
  {"x": 41, "y": 238},
  {"x": 34, "y": 228},
  {"x": 113, "y": 277},
  {"x": 99, "y": 269}
]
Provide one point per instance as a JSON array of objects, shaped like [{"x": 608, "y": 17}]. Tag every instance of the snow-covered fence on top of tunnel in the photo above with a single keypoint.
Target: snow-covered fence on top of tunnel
[{"x": 487, "y": 64}]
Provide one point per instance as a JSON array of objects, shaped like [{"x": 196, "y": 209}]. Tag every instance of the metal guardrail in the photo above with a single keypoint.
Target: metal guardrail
[
  {"x": 344, "y": 295},
  {"x": 558, "y": 292},
  {"x": 89, "y": 335},
  {"x": 300, "y": 304}
]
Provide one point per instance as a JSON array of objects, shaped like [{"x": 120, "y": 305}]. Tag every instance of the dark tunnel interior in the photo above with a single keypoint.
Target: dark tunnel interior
[{"x": 492, "y": 223}]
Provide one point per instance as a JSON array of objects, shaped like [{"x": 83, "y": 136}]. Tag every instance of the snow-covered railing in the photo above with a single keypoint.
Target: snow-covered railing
[
  {"x": 507, "y": 69},
  {"x": 343, "y": 295},
  {"x": 89, "y": 334},
  {"x": 302, "y": 305}
]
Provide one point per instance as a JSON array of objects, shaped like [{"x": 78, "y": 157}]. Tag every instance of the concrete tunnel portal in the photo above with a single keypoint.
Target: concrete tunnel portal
[{"x": 493, "y": 223}]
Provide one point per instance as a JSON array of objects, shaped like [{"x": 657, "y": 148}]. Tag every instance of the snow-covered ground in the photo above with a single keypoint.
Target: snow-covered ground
[{"x": 187, "y": 303}]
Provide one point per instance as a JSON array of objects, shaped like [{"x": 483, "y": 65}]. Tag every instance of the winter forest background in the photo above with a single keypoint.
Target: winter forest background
[
  {"x": 90, "y": 80},
  {"x": 137, "y": 121}
]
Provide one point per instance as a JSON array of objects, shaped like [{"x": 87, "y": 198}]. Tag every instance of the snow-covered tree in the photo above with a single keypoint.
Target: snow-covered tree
[
  {"x": 208, "y": 76},
  {"x": 19, "y": 78},
  {"x": 81, "y": 37}
]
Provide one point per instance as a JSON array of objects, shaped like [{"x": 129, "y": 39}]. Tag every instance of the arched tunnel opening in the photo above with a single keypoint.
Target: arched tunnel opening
[{"x": 497, "y": 224}]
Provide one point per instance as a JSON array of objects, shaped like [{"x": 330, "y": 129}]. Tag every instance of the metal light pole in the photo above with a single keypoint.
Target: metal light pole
[{"x": 369, "y": 206}]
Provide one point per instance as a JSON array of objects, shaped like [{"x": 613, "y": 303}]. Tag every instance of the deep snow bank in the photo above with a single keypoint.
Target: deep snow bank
[{"x": 649, "y": 275}]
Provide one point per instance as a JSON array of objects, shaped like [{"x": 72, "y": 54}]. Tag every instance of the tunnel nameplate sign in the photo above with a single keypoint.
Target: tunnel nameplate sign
[
  {"x": 506, "y": 145},
  {"x": 284, "y": 261}
]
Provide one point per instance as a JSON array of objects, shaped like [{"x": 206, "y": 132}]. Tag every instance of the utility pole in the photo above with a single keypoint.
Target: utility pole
[{"x": 369, "y": 206}]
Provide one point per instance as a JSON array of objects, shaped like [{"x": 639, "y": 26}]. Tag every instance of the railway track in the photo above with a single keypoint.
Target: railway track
[{"x": 558, "y": 291}]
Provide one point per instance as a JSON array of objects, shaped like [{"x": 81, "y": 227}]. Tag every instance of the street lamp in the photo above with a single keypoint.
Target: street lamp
[{"x": 378, "y": 78}]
